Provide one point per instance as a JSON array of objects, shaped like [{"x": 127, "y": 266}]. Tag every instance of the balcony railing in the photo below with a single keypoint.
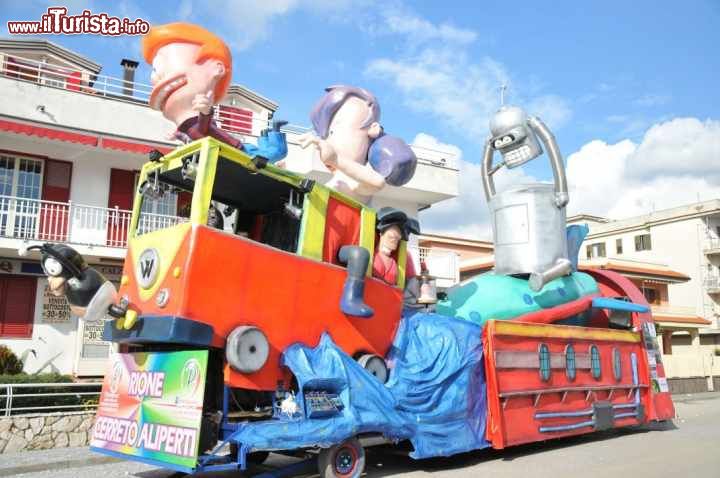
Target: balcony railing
[
  {"x": 69, "y": 79},
  {"x": 712, "y": 284},
  {"x": 235, "y": 121},
  {"x": 38, "y": 220},
  {"x": 443, "y": 265},
  {"x": 670, "y": 310},
  {"x": 712, "y": 246}
]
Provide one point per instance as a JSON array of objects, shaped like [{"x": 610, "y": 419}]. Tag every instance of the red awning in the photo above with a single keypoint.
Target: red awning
[
  {"x": 687, "y": 319},
  {"x": 50, "y": 133},
  {"x": 135, "y": 147},
  {"x": 131, "y": 146}
]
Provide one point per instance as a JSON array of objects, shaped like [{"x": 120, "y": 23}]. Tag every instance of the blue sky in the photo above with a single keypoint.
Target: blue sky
[{"x": 614, "y": 79}]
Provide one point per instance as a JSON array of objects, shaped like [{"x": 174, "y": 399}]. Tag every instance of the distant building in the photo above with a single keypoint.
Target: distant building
[
  {"x": 445, "y": 254},
  {"x": 686, "y": 240},
  {"x": 71, "y": 144},
  {"x": 673, "y": 257}
]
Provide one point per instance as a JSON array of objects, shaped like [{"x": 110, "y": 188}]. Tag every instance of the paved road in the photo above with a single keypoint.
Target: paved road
[{"x": 689, "y": 448}]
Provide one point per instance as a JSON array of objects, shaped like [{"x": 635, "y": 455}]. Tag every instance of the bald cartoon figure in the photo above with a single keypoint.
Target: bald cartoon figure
[{"x": 362, "y": 159}]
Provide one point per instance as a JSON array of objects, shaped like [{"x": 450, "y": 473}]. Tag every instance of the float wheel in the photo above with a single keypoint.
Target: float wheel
[
  {"x": 375, "y": 365},
  {"x": 345, "y": 460}
]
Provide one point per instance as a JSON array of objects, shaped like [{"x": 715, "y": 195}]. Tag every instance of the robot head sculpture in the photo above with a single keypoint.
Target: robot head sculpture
[
  {"x": 513, "y": 137},
  {"x": 528, "y": 220}
]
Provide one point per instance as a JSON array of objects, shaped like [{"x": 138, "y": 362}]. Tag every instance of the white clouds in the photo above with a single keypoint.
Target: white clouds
[
  {"x": 419, "y": 30},
  {"x": 242, "y": 23},
  {"x": 596, "y": 176},
  {"x": 435, "y": 75},
  {"x": 466, "y": 215},
  {"x": 461, "y": 94},
  {"x": 649, "y": 100},
  {"x": 675, "y": 163},
  {"x": 553, "y": 110},
  {"x": 247, "y": 21},
  {"x": 424, "y": 140},
  {"x": 682, "y": 146}
]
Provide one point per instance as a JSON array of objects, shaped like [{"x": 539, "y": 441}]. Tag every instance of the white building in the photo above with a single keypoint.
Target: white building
[
  {"x": 71, "y": 144},
  {"x": 674, "y": 257}
]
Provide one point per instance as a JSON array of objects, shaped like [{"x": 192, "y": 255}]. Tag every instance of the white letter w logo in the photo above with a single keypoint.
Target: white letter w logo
[{"x": 146, "y": 268}]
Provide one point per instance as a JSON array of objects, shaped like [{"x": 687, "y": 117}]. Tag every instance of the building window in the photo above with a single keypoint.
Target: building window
[
  {"x": 642, "y": 242},
  {"x": 20, "y": 178},
  {"x": 570, "y": 369},
  {"x": 595, "y": 362},
  {"x": 544, "y": 355},
  {"x": 617, "y": 364},
  {"x": 651, "y": 295},
  {"x": 618, "y": 246},
  {"x": 596, "y": 250}
]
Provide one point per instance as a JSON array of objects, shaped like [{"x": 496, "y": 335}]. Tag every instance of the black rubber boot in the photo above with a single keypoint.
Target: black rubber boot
[{"x": 351, "y": 302}]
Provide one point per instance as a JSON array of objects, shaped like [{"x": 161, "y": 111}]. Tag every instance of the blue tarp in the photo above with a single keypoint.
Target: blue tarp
[{"x": 435, "y": 396}]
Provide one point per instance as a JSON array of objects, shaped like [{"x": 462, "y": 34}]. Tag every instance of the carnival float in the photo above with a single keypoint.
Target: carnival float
[{"x": 284, "y": 315}]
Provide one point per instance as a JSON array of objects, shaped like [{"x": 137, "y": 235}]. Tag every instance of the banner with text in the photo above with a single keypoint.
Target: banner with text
[{"x": 151, "y": 406}]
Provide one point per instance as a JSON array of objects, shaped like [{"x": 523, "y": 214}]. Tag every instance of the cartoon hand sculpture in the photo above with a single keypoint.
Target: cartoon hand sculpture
[
  {"x": 327, "y": 153},
  {"x": 203, "y": 103}
]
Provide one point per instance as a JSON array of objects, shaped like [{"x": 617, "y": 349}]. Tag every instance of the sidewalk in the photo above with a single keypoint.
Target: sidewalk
[{"x": 58, "y": 458}]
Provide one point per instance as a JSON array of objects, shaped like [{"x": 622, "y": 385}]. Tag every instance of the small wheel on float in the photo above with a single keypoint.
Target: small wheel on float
[
  {"x": 346, "y": 460},
  {"x": 375, "y": 365},
  {"x": 247, "y": 349}
]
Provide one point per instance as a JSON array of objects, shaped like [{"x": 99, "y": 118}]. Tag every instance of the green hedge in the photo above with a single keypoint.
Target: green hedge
[
  {"x": 9, "y": 362},
  {"x": 19, "y": 402}
]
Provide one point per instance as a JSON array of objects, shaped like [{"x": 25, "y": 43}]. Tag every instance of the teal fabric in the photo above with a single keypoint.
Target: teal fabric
[{"x": 490, "y": 296}]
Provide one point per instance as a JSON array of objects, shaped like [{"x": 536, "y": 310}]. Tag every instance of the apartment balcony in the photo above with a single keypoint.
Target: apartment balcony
[
  {"x": 712, "y": 247},
  {"x": 101, "y": 105},
  {"x": 672, "y": 310},
  {"x": 94, "y": 231},
  {"x": 103, "y": 232},
  {"x": 443, "y": 265},
  {"x": 436, "y": 178},
  {"x": 712, "y": 284}
]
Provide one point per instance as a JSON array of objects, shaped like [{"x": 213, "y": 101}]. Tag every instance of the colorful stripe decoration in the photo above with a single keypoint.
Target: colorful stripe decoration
[
  {"x": 151, "y": 407},
  {"x": 367, "y": 233},
  {"x": 313, "y": 223},
  {"x": 402, "y": 257},
  {"x": 519, "y": 329}
]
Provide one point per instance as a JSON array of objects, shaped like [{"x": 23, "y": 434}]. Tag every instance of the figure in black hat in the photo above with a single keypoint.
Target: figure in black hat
[
  {"x": 392, "y": 226},
  {"x": 88, "y": 293}
]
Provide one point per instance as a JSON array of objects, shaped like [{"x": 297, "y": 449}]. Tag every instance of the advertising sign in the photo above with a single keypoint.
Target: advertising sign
[
  {"x": 151, "y": 407},
  {"x": 55, "y": 310}
]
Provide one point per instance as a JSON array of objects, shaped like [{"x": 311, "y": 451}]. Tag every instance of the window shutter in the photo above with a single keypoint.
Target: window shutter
[
  {"x": 73, "y": 81},
  {"x": 17, "y": 306},
  {"x": 235, "y": 120}
]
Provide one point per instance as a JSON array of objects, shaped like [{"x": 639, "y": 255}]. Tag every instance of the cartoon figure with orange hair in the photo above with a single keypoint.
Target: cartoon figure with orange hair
[{"x": 192, "y": 69}]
